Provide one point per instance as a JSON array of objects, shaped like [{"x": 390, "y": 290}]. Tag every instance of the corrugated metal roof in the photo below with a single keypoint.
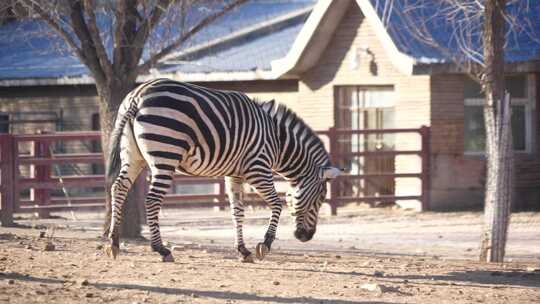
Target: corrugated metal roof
[
  {"x": 404, "y": 19},
  {"x": 25, "y": 52}
]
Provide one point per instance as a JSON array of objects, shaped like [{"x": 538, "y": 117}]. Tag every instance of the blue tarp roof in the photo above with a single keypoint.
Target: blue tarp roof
[
  {"x": 26, "y": 52},
  {"x": 406, "y": 20}
]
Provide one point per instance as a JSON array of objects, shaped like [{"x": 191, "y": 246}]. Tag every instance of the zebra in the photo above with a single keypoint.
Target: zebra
[{"x": 172, "y": 126}]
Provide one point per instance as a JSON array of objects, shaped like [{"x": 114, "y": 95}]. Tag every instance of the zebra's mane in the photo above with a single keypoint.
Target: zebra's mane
[{"x": 285, "y": 116}]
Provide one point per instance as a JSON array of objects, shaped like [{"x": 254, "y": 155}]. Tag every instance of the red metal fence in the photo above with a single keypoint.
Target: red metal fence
[{"x": 40, "y": 180}]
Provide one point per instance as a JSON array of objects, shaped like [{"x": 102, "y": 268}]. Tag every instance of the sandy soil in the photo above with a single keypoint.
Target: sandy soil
[{"x": 372, "y": 256}]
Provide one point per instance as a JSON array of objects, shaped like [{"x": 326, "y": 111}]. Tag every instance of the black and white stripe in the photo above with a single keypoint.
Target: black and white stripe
[{"x": 172, "y": 126}]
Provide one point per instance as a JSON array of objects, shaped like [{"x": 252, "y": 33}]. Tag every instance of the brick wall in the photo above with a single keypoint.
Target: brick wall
[{"x": 457, "y": 180}]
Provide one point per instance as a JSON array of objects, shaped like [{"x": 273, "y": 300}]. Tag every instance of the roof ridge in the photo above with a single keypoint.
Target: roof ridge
[{"x": 237, "y": 35}]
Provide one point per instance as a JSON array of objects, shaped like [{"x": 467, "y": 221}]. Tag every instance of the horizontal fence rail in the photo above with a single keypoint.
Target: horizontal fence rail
[{"x": 44, "y": 187}]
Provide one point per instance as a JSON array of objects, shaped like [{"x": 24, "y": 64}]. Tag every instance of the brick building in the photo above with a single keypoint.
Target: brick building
[{"x": 336, "y": 64}]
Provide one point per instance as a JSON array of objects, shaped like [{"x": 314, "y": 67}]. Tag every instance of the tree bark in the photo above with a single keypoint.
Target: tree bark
[
  {"x": 498, "y": 137},
  {"x": 111, "y": 95}
]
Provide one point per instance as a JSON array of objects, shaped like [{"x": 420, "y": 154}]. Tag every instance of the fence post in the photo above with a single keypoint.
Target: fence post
[
  {"x": 7, "y": 182},
  {"x": 334, "y": 190},
  {"x": 42, "y": 175},
  {"x": 222, "y": 195},
  {"x": 426, "y": 167}
]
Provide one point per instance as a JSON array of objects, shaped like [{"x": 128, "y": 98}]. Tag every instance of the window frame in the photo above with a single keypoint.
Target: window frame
[{"x": 529, "y": 102}]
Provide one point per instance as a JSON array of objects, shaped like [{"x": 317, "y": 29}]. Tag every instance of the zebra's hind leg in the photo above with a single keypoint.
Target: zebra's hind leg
[
  {"x": 119, "y": 191},
  {"x": 235, "y": 193},
  {"x": 265, "y": 186},
  {"x": 160, "y": 184}
]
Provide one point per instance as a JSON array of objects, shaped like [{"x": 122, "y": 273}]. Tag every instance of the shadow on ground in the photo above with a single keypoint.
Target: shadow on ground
[{"x": 222, "y": 295}]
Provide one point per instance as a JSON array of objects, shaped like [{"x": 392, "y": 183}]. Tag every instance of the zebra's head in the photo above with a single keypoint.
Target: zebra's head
[
  {"x": 304, "y": 161},
  {"x": 304, "y": 199}
]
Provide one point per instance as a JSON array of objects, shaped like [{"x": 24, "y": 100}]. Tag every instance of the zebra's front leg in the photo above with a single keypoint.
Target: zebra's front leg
[
  {"x": 264, "y": 184},
  {"x": 235, "y": 192},
  {"x": 263, "y": 248}
]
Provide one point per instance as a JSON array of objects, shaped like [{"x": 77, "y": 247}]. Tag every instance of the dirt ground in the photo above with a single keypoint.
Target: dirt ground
[{"x": 361, "y": 256}]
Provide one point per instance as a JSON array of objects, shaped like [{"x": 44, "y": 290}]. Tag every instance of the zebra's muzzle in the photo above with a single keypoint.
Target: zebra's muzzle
[{"x": 303, "y": 235}]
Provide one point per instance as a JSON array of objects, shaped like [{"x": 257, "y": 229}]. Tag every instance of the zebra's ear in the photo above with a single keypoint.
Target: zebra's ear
[{"x": 329, "y": 172}]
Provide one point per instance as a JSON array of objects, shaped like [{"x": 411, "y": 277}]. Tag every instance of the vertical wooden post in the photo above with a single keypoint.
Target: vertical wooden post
[
  {"x": 222, "y": 200},
  {"x": 426, "y": 167},
  {"x": 43, "y": 175},
  {"x": 7, "y": 189},
  {"x": 142, "y": 190},
  {"x": 334, "y": 190}
]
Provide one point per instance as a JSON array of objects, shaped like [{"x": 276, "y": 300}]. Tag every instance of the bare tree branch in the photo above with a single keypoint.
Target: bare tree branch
[
  {"x": 106, "y": 66},
  {"x": 143, "y": 68},
  {"x": 89, "y": 50},
  {"x": 31, "y": 4}
]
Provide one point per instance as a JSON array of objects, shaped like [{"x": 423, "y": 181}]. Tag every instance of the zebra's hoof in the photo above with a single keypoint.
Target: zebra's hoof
[
  {"x": 168, "y": 258},
  {"x": 247, "y": 259},
  {"x": 261, "y": 250},
  {"x": 112, "y": 251}
]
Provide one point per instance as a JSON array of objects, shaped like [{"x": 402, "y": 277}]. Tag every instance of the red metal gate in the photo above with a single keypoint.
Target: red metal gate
[{"x": 43, "y": 181}]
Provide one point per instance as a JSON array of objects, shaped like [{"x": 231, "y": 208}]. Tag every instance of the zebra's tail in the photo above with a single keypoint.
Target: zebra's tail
[{"x": 123, "y": 120}]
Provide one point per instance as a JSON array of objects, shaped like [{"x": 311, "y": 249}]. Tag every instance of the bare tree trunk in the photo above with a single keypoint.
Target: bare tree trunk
[
  {"x": 498, "y": 137},
  {"x": 111, "y": 96}
]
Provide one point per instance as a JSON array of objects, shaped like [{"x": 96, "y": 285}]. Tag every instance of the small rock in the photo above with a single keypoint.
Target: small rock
[
  {"x": 83, "y": 282},
  {"x": 337, "y": 256},
  {"x": 41, "y": 234},
  {"x": 89, "y": 295},
  {"x": 374, "y": 287},
  {"x": 3, "y": 258},
  {"x": 468, "y": 249},
  {"x": 11, "y": 282},
  {"x": 212, "y": 241},
  {"x": 28, "y": 247},
  {"x": 49, "y": 246},
  {"x": 222, "y": 285},
  {"x": 99, "y": 247},
  {"x": 378, "y": 274},
  {"x": 275, "y": 282}
]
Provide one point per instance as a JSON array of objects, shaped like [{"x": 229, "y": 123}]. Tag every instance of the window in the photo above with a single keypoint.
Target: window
[
  {"x": 521, "y": 89},
  {"x": 365, "y": 108}
]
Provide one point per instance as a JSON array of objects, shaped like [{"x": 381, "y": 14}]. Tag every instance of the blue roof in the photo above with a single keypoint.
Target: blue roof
[
  {"x": 404, "y": 19},
  {"x": 26, "y": 52}
]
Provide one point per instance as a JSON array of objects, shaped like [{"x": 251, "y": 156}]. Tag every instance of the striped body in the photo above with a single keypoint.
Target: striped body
[{"x": 171, "y": 126}]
